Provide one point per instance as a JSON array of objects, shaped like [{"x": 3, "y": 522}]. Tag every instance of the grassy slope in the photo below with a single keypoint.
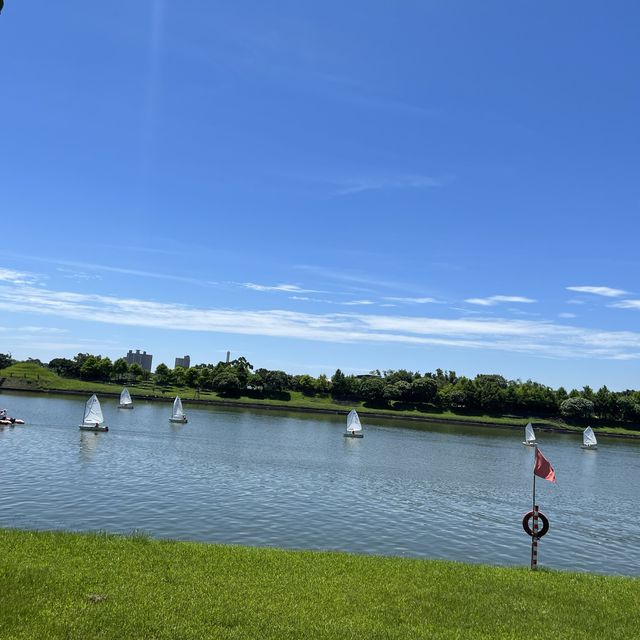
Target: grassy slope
[
  {"x": 61, "y": 585},
  {"x": 31, "y": 376}
]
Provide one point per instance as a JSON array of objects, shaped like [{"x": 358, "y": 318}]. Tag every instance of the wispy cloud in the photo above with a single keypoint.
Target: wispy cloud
[
  {"x": 607, "y": 292},
  {"x": 18, "y": 277},
  {"x": 355, "y": 303},
  {"x": 626, "y": 304},
  {"x": 288, "y": 288},
  {"x": 359, "y": 185},
  {"x": 410, "y": 300},
  {"x": 493, "y": 300},
  {"x": 90, "y": 266},
  {"x": 77, "y": 275},
  {"x": 543, "y": 338},
  {"x": 567, "y": 315}
]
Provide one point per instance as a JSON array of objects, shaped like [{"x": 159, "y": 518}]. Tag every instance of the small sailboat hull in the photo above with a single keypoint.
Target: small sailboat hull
[
  {"x": 125, "y": 406},
  {"x": 179, "y": 420},
  {"x": 529, "y": 444},
  {"x": 92, "y": 427},
  {"x": 354, "y": 435},
  {"x": 588, "y": 446}
]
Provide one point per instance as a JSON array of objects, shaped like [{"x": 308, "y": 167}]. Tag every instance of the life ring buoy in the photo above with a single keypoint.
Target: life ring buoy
[{"x": 527, "y": 528}]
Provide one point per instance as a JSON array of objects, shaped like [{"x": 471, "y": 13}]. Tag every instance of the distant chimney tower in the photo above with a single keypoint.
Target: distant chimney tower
[{"x": 228, "y": 356}]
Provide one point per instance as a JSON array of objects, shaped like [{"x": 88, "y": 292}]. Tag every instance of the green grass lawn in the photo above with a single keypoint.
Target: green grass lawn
[
  {"x": 28, "y": 375},
  {"x": 62, "y": 585}
]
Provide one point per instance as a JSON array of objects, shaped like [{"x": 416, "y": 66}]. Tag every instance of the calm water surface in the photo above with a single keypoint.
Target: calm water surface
[{"x": 292, "y": 480}]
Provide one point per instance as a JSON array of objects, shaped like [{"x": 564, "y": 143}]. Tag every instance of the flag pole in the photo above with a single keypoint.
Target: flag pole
[{"x": 534, "y": 511}]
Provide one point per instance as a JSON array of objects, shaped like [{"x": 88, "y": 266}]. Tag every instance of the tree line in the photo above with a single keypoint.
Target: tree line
[{"x": 490, "y": 394}]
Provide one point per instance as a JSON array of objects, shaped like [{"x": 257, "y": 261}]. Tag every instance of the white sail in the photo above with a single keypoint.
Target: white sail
[
  {"x": 529, "y": 435},
  {"x": 125, "y": 397},
  {"x": 177, "y": 408},
  {"x": 589, "y": 438},
  {"x": 92, "y": 411},
  {"x": 353, "y": 422}
]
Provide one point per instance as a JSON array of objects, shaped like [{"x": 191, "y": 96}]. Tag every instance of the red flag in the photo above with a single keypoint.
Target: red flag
[{"x": 543, "y": 468}]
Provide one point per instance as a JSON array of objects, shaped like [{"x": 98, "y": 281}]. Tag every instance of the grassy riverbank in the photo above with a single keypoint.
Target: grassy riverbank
[
  {"x": 62, "y": 585},
  {"x": 27, "y": 376}
]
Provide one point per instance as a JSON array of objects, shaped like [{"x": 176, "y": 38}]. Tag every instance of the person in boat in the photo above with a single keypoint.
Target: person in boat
[
  {"x": 3, "y": 414},
  {"x": 97, "y": 424}
]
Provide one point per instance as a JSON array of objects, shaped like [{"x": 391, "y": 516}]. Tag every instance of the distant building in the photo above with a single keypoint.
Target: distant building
[
  {"x": 228, "y": 356},
  {"x": 183, "y": 362},
  {"x": 143, "y": 359}
]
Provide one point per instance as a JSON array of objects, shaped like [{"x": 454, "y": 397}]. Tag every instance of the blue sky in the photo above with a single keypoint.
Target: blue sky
[{"x": 319, "y": 185}]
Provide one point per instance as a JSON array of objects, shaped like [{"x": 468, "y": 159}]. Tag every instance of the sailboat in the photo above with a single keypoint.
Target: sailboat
[
  {"x": 589, "y": 439},
  {"x": 354, "y": 428},
  {"x": 92, "y": 419},
  {"x": 529, "y": 436},
  {"x": 178, "y": 414},
  {"x": 125, "y": 400}
]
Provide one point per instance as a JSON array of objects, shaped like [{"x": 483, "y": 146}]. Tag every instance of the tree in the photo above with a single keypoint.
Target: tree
[
  {"x": 227, "y": 382},
  {"x": 120, "y": 368},
  {"x": 372, "y": 390},
  {"x": 163, "y": 375},
  {"x": 605, "y": 404},
  {"x": 90, "y": 368},
  {"x": 400, "y": 390},
  {"x": 275, "y": 381},
  {"x": 577, "y": 409},
  {"x": 192, "y": 378},
  {"x": 136, "y": 371},
  {"x": 306, "y": 384},
  {"x": 6, "y": 360},
  {"x": 106, "y": 368},
  {"x": 64, "y": 367},
  {"x": 628, "y": 408},
  {"x": 424, "y": 390}
]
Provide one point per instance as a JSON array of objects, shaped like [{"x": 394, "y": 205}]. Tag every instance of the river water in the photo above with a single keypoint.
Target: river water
[{"x": 291, "y": 480}]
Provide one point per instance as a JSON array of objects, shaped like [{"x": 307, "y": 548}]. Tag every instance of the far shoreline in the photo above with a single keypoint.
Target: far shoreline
[{"x": 243, "y": 404}]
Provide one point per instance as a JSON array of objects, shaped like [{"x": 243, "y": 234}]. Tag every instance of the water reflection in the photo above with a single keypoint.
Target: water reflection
[{"x": 88, "y": 444}]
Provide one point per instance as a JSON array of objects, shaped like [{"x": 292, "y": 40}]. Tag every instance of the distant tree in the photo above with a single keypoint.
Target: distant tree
[
  {"x": 400, "y": 390},
  {"x": 391, "y": 377},
  {"x": 628, "y": 408},
  {"x": 90, "y": 368},
  {"x": 6, "y": 360},
  {"x": 306, "y": 384},
  {"x": 605, "y": 404},
  {"x": 65, "y": 367},
  {"x": 345, "y": 386},
  {"x": 577, "y": 409},
  {"x": 163, "y": 375},
  {"x": 106, "y": 368},
  {"x": 192, "y": 377},
  {"x": 424, "y": 390},
  {"x": 227, "y": 382},
  {"x": 372, "y": 390},
  {"x": 275, "y": 381},
  {"x": 323, "y": 384},
  {"x": 136, "y": 371},
  {"x": 120, "y": 369}
]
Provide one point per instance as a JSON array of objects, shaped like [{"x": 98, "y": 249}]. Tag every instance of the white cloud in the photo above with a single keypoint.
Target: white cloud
[
  {"x": 288, "y": 288},
  {"x": 354, "y": 303},
  {"x": 608, "y": 292},
  {"x": 493, "y": 300},
  {"x": 18, "y": 277},
  {"x": 567, "y": 315},
  {"x": 626, "y": 304},
  {"x": 411, "y": 300},
  {"x": 537, "y": 337}
]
